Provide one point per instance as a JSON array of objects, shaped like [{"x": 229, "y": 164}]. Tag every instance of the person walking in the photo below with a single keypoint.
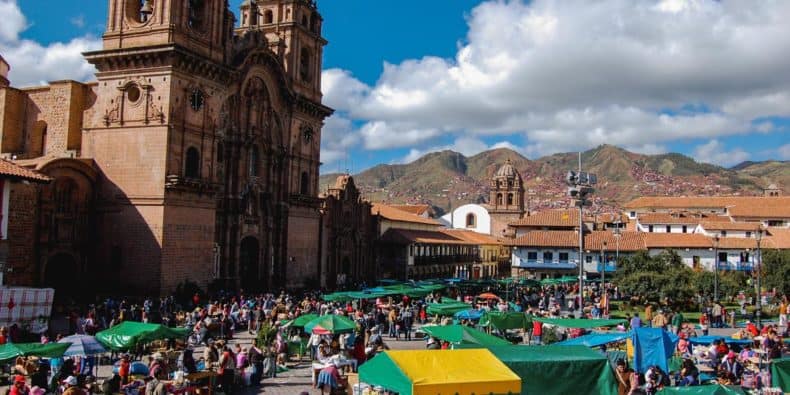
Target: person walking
[{"x": 407, "y": 317}]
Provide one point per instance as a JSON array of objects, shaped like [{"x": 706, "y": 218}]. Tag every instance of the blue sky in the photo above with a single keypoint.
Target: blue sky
[{"x": 410, "y": 77}]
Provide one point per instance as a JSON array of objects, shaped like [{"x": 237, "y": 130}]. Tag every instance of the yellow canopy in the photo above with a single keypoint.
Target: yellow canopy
[{"x": 462, "y": 372}]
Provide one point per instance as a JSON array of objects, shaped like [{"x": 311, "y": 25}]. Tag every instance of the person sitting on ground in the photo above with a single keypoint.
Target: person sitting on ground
[
  {"x": 623, "y": 375},
  {"x": 689, "y": 373},
  {"x": 72, "y": 387}
]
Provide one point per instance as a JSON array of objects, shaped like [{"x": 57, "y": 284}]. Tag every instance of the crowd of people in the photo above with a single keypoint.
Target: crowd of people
[{"x": 215, "y": 321}]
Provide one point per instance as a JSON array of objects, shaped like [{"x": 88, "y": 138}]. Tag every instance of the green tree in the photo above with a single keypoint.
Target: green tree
[
  {"x": 655, "y": 278},
  {"x": 730, "y": 283},
  {"x": 776, "y": 270}
]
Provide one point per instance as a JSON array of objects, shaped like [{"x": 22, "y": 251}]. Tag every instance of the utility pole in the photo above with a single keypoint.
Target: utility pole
[
  {"x": 759, "y": 268},
  {"x": 716, "y": 268},
  {"x": 603, "y": 260},
  {"x": 579, "y": 189},
  {"x": 617, "y": 234}
]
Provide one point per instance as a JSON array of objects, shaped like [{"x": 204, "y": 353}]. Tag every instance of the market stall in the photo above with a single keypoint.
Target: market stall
[
  {"x": 129, "y": 334},
  {"x": 459, "y": 334},
  {"x": 444, "y": 372},
  {"x": 558, "y": 369}
]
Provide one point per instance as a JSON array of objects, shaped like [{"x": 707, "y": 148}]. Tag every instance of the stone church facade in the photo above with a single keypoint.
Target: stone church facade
[{"x": 193, "y": 157}]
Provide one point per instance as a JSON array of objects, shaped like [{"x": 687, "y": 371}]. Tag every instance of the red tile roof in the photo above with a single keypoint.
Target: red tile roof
[
  {"x": 393, "y": 214},
  {"x": 737, "y": 226},
  {"x": 547, "y": 238},
  {"x": 416, "y": 209},
  {"x": 629, "y": 241},
  {"x": 403, "y": 236},
  {"x": 666, "y": 218},
  {"x": 676, "y": 240},
  {"x": 474, "y": 237},
  {"x": 779, "y": 238},
  {"x": 10, "y": 169},
  {"x": 550, "y": 218}
]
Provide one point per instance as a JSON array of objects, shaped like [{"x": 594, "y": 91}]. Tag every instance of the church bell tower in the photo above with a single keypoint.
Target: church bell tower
[{"x": 293, "y": 29}]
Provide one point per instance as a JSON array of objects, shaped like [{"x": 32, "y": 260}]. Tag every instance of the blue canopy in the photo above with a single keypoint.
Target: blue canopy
[
  {"x": 470, "y": 314},
  {"x": 652, "y": 346},
  {"x": 595, "y": 339},
  {"x": 710, "y": 339}
]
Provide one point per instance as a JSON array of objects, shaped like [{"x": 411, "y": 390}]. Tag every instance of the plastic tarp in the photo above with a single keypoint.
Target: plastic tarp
[
  {"x": 652, "y": 346},
  {"x": 706, "y": 340},
  {"x": 470, "y": 314},
  {"x": 595, "y": 339},
  {"x": 505, "y": 320},
  {"x": 440, "y": 372},
  {"x": 580, "y": 323},
  {"x": 408, "y": 290},
  {"x": 460, "y": 334},
  {"x": 780, "y": 374},
  {"x": 446, "y": 309},
  {"x": 330, "y": 324},
  {"x": 558, "y": 369},
  {"x": 703, "y": 390},
  {"x": 128, "y": 334},
  {"x": 49, "y": 350}
]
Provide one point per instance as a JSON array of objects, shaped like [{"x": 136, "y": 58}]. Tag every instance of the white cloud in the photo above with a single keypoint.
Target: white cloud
[
  {"x": 338, "y": 137},
  {"x": 570, "y": 74},
  {"x": 466, "y": 145},
  {"x": 715, "y": 152},
  {"x": 78, "y": 21},
  {"x": 35, "y": 64}
]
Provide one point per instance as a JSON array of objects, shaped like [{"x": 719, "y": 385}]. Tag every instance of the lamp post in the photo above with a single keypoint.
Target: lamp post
[
  {"x": 580, "y": 188},
  {"x": 759, "y": 269},
  {"x": 716, "y": 268},
  {"x": 617, "y": 234},
  {"x": 603, "y": 261}
]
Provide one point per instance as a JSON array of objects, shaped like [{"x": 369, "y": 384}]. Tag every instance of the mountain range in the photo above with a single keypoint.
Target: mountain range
[{"x": 449, "y": 179}]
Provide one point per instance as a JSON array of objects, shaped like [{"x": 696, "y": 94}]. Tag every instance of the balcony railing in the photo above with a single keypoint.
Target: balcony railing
[
  {"x": 740, "y": 266},
  {"x": 444, "y": 259},
  {"x": 610, "y": 267},
  {"x": 541, "y": 264}
]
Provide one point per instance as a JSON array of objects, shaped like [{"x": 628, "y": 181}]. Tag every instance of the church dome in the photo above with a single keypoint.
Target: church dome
[{"x": 506, "y": 171}]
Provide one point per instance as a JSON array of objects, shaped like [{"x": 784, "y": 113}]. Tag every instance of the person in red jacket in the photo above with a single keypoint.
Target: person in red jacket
[{"x": 537, "y": 331}]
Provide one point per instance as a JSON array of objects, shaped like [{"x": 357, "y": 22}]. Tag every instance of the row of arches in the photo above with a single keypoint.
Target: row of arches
[{"x": 501, "y": 197}]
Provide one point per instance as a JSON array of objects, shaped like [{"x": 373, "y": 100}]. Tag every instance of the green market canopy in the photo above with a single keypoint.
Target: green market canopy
[
  {"x": 780, "y": 374},
  {"x": 703, "y": 390},
  {"x": 505, "y": 320},
  {"x": 302, "y": 320},
  {"x": 447, "y": 308},
  {"x": 579, "y": 323},
  {"x": 49, "y": 350},
  {"x": 558, "y": 369},
  {"x": 432, "y": 372},
  {"x": 128, "y": 334},
  {"x": 330, "y": 324},
  {"x": 339, "y": 297},
  {"x": 459, "y": 334}
]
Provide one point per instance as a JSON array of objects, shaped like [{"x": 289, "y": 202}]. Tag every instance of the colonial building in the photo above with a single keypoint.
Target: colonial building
[
  {"x": 193, "y": 157},
  {"x": 505, "y": 205},
  {"x": 348, "y": 231}
]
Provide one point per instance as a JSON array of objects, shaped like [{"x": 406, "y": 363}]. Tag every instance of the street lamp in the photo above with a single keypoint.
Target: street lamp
[
  {"x": 617, "y": 234},
  {"x": 603, "y": 260},
  {"x": 759, "y": 268},
  {"x": 716, "y": 268},
  {"x": 580, "y": 188}
]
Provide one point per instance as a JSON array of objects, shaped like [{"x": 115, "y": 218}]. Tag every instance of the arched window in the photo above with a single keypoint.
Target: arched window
[
  {"x": 192, "y": 163},
  {"x": 139, "y": 10},
  {"x": 498, "y": 199},
  {"x": 268, "y": 16},
  {"x": 304, "y": 188},
  {"x": 509, "y": 199},
  {"x": 197, "y": 11},
  {"x": 305, "y": 64},
  {"x": 304, "y": 20},
  {"x": 254, "y": 159},
  {"x": 510, "y": 183},
  {"x": 471, "y": 221}
]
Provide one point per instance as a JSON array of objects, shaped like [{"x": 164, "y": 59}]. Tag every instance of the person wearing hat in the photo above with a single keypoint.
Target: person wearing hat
[
  {"x": 72, "y": 387},
  {"x": 20, "y": 386},
  {"x": 730, "y": 365}
]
